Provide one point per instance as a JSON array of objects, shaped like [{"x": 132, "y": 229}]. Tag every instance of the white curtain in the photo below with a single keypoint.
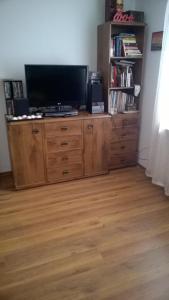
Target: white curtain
[{"x": 158, "y": 161}]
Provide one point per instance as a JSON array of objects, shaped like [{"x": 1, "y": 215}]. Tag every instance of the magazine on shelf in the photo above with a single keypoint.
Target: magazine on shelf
[
  {"x": 122, "y": 74},
  {"x": 120, "y": 102}
]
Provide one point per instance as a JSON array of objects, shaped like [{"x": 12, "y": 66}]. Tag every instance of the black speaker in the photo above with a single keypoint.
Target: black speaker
[
  {"x": 95, "y": 98},
  {"x": 21, "y": 106},
  {"x": 138, "y": 15}
]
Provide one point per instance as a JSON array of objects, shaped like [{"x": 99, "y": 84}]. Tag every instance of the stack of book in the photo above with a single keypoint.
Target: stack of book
[
  {"x": 122, "y": 74},
  {"x": 130, "y": 46},
  {"x": 125, "y": 45},
  {"x": 13, "y": 89},
  {"x": 120, "y": 102}
]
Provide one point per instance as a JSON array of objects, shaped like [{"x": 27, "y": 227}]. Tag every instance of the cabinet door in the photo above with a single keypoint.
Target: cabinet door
[
  {"x": 26, "y": 146},
  {"x": 95, "y": 147}
]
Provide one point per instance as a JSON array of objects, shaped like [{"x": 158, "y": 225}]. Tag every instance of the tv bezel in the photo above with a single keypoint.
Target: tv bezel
[{"x": 75, "y": 105}]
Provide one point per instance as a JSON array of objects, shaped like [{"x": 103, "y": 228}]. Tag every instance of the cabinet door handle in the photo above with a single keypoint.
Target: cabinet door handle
[
  {"x": 35, "y": 131},
  {"x": 90, "y": 126},
  {"x": 64, "y": 128},
  {"x": 125, "y": 123},
  {"x": 65, "y": 158},
  {"x": 65, "y": 172},
  {"x": 64, "y": 144},
  {"x": 122, "y": 161}
]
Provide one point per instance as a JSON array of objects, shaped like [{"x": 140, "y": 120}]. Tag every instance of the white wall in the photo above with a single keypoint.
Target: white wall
[
  {"x": 154, "y": 17},
  {"x": 41, "y": 32},
  {"x": 129, "y": 4}
]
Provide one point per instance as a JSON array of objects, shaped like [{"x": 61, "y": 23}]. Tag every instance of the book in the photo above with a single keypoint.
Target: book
[
  {"x": 122, "y": 74},
  {"x": 124, "y": 44},
  {"x": 120, "y": 102},
  {"x": 17, "y": 89},
  {"x": 13, "y": 89}
]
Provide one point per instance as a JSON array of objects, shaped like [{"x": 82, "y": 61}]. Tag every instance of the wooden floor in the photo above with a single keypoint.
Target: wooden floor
[{"x": 100, "y": 238}]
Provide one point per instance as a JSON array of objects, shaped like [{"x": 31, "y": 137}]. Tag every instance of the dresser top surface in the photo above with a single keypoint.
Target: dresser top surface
[{"x": 81, "y": 116}]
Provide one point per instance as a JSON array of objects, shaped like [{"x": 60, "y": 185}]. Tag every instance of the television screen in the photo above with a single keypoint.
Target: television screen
[{"x": 48, "y": 85}]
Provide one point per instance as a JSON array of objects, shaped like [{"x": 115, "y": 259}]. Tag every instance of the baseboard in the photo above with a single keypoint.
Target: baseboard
[
  {"x": 9, "y": 173},
  {"x": 141, "y": 166}
]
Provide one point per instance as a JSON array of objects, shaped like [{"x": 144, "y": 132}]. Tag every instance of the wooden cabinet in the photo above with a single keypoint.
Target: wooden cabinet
[
  {"x": 64, "y": 150},
  {"x": 55, "y": 150},
  {"x": 27, "y": 154},
  {"x": 123, "y": 140},
  {"x": 95, "y": 147}
]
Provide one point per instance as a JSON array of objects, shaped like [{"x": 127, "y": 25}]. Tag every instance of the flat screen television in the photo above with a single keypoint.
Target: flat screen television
[{"x": 53, "y": 85}]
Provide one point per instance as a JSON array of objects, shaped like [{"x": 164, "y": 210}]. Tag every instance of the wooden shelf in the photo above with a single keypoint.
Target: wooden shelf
[
  {"x": 133, "y": 24},
  {"x": 125, "y": 58},
  {"x": 124, "y": 126},
  {"x": 120, "y": 88}
]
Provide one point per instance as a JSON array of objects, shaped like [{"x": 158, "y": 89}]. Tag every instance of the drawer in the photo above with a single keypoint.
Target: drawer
[
  {"x": 125, "y": 120},
  {"x": 64, "y": 158},
  {"x": 63, "y": 128},
  {"x": 118, "y": 161},
  {"x": 56, "y": 144},
  {"x": 122, "y": 147},
  {"x": 65, "y": 173},
  {"x": 122, "y": 134}
]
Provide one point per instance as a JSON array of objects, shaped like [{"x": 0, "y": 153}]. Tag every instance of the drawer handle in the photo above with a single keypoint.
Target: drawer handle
[
  {"x": 122, "y": 160},
  {"x": 65, "y": 158},
  {"x": 90, "y": 126},
  {"x": 64, "y": 144},
  {"x": 35, "y": 131},
  {"x": 125, "y": 122},
  {"x": 64, "y": 128},
  {"x": 65, "y": 172},
  {"x": 123, "y": 147}
]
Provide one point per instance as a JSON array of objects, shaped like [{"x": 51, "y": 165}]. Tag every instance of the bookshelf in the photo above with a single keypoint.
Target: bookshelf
[
  {"x": 126, "y": 58},
  {"x": 110, "y": 61},
  {"x": 120, "y": 88}
]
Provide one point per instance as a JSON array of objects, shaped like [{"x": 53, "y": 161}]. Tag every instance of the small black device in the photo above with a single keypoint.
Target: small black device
[
  {"x": 138, "y": 15},
  {"x": 95, "y": 102},
  {"x": 21, "y": 106},
  {"x": 55, "y": 86}
]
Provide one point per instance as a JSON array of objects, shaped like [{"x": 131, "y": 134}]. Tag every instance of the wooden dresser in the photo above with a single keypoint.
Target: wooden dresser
[
  {"x": 123, "y": 143},
  {"x": 64, "y": 150},
  {"x": 60, "y": 149}
]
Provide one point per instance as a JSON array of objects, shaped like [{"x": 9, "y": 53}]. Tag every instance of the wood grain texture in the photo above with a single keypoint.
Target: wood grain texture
[
  {"x": 63, "y": 128},
  {"x": 64, "y": 143},
  {"x": 104, "y": 238},
  {"x": 26, "y": 143},
  {"x": 123, "y": 140},
  {"x": 53, "y": 149},
  {"x": 64, "y": 150},
  {"x": 95, "y": 149},
  {"x": 125, "y": 120},
  {"x": 64, "y": 172}
]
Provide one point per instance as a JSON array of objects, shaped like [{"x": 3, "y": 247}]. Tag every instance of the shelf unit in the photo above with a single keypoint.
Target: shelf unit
[
  {"x": 112, "y": 58},
  {"x": 120, "y": 88},
  {"x": 124, "y": 127},
  {"x": 105, "y": 60}
]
